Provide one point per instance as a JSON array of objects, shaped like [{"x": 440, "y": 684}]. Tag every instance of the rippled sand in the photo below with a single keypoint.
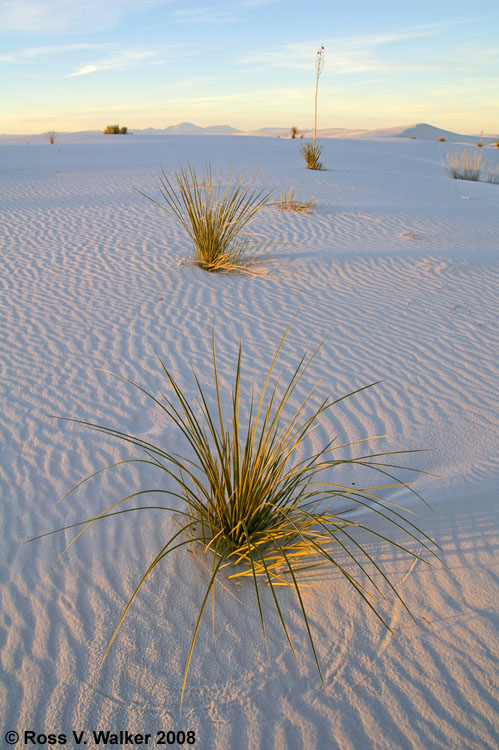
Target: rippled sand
[{"x": 397, "y": 266}]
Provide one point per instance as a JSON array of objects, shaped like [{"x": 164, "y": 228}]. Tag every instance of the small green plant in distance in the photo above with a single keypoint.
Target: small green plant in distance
[
  {"x": 294, "y": 131},
  {"x": 464, "y": 165},
  {"x": 215, "y": 215},
  {"x": 260, "y": 506}
]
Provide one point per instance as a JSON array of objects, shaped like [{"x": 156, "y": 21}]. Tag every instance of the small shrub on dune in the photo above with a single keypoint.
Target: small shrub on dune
[
  {"x": 441, "y": 139},
  {"x": 294, "y": 131},
  {"x": 115, "y": 130},
  {"x": 464, "y": 165},
  {"x": 260, "y": 506},
  {"x": 215, "y": 216},
  {"x": 51, "y": 137}
]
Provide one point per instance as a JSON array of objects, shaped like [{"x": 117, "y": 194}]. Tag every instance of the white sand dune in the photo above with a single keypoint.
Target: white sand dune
[{"x": 397, "y": 266}]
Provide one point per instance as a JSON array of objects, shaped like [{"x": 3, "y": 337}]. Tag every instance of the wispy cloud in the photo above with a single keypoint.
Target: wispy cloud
[
  {"x": 28, "y": 54},
  {"x": 122, "y": 60},
  {"x": 256, "y": 97},
  {"x": 351, "y": 54},
  {"x": 56, "y": 16},
  {"x": 256, "y": 3},
  {"x": 204, "y": 15}
]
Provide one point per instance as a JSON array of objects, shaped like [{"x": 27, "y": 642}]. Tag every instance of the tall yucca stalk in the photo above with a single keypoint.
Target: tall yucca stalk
[
  {"x": 214, "y": 215},
  {"x": 319, "y": 64},
  {"x": 311, "y": 152},
  {"x": 258, "y": 504}
]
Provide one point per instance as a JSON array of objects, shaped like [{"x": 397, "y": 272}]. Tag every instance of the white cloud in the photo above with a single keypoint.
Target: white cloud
[
  {"x": 204, "y": 15},
  {"x": 351, "y": 54},
  {"x": 56, "y": 16},
  {"x": 28, "y": 54},
  {"x": 122, "y": 60}
]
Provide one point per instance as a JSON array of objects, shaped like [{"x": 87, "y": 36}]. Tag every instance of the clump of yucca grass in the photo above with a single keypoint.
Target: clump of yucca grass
[
  {"x": 311, "y": 152},
  {"x": 288, "y": 203},
  {"x": 51, "y": 137},
  {"x": 465, "y": 165},
  {"x": 214, "y": 216},
  {"x": 256, "y": 505}
]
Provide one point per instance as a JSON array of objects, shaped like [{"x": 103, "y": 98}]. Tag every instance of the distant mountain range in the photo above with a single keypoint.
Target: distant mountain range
[
  {"x": 421, "y": 131},
  {"x": 188, "y": 128}
]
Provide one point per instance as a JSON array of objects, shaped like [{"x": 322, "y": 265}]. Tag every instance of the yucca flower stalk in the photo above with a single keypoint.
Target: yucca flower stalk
[
  {"x": 215, "y": 216},
  {"x": 311, "y": 152},
  {"x": 261, "y": 508},
  {"x": 319, "y": 64}
]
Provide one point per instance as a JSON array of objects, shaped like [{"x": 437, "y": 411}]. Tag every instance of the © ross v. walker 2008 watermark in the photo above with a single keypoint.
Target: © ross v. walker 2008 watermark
[{"x": 100, "y": 737}]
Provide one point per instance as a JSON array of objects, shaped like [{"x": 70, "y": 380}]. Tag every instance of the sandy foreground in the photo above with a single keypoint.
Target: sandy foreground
[{"x": 397, "y": 266}]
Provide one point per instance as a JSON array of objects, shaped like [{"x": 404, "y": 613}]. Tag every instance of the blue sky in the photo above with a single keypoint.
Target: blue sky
[{"x": 81, "y": 64}]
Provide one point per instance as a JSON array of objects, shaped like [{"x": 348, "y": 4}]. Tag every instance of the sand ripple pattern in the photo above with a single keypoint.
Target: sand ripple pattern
[{"x": 404, "y": 287}]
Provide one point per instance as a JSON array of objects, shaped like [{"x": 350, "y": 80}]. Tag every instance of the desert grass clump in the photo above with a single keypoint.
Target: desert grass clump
[
  {"x": 294, "y": 131},
  {"x": 51, "y": 137},
  {"x": 115, "y": 130},
  {"x": 441, "y": 139},
  {"x": 464, "y": 165},
  {"x": 311, "y": 152},
  {"x": 216, "y": 216},
  {"x": 288, "y": 203},
  {"x": 263, "y": 507}
]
